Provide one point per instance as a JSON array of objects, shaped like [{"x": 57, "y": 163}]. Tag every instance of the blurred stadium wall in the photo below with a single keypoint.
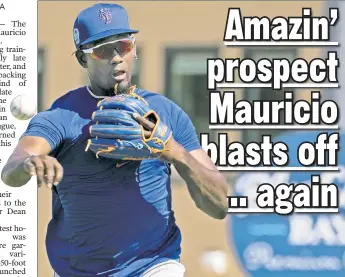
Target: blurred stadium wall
[{"x": 174, "y": 41}]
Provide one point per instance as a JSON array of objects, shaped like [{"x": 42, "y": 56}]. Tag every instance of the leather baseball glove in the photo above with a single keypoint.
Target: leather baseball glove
[{"x": 117, "y": 135}]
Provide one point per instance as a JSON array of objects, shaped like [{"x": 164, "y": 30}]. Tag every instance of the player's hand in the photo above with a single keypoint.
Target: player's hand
[
  {"x": 174, "y": 149},
  {"x": 48, "y": 170},
  {"x": 148, "y": 125}
]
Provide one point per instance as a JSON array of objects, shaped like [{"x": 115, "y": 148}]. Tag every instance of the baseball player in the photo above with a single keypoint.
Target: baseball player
[{"x": 112, "y": 212}]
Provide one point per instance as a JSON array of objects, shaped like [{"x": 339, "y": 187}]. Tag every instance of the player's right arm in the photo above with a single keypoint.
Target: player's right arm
[
  {"x": 29, "y": 158},
  {"x": 33, "y": 155}
]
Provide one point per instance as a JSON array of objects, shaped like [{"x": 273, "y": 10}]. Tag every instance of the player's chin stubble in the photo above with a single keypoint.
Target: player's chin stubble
[{"x": 122, "y": 88}]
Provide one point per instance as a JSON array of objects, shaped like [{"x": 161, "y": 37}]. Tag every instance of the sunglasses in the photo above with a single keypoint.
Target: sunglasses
[{"x": 105, "y": 51}]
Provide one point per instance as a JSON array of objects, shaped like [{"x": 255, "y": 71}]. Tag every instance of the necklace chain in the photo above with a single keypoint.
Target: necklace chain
[{"x": 93, "y": 95}]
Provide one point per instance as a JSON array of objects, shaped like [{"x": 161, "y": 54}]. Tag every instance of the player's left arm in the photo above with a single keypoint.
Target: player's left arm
[{"x": 207, "y": 186}]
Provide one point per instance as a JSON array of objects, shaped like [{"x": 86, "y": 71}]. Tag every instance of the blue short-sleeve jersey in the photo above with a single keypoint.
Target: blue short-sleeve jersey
[{"x": 108, "y": 220}]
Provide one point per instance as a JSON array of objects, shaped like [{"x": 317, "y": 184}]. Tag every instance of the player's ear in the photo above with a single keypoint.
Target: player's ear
[
  {"x": 135, "y": 50},
  {"x": 80, "y": 55}
]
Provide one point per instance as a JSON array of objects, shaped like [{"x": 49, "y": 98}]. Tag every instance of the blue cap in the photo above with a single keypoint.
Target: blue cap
[{"x": 100, "y": 21}]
